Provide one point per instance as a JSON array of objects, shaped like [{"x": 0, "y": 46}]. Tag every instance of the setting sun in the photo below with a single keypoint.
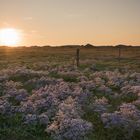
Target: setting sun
[{"x": 9, "y": 37}]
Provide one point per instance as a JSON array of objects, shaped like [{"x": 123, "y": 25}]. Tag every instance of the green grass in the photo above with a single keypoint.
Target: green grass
[
  {"x": 12, "y": 128},
  {"x": 65, "y": 78}
]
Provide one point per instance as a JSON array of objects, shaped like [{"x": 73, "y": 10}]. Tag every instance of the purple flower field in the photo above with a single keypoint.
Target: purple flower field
[{"x": 71, "y": 104}]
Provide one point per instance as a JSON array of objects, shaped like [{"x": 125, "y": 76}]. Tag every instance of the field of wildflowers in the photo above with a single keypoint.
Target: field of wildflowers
[{"x": 50, "y": 101}]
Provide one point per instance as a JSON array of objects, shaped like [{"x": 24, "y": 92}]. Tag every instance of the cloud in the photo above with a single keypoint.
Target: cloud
[
  {"x": 74, "y": 15},
  {"x": 34, "y": 31},
  {"x": 28, "y": 18},
  {"x": 6, "y": 23}
]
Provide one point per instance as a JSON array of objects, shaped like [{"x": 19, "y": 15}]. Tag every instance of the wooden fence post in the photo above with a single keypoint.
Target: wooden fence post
[
  {"x": 77, "y": 57},
  {"x": 119, "y": 53}
]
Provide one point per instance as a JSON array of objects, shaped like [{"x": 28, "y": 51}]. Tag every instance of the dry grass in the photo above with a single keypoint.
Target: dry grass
[{"x": 130, "y": 56}]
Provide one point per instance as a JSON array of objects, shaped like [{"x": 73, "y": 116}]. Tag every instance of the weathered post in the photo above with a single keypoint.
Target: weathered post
[
  {"x": 119, "y": 53},
  {"x": 77, "y": 56}
]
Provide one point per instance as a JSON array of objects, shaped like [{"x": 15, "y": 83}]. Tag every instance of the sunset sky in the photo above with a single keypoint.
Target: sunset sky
[{"x": 60, "y": 22}]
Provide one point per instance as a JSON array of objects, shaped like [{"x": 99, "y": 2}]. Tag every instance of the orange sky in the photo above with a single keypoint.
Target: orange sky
[{"x": 60, "y": 22}]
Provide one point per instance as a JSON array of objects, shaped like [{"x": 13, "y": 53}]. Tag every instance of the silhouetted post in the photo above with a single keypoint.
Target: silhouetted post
[
  {"x": 119, "y": 53},
  {"x": 77, "y": 57}
]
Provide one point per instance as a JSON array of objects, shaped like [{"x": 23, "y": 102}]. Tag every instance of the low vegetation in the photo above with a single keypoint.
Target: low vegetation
[{"x": 44, "y": 96}]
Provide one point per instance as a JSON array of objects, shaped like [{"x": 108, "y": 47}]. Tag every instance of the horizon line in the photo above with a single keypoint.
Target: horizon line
[{"x": 71, "y": 45}]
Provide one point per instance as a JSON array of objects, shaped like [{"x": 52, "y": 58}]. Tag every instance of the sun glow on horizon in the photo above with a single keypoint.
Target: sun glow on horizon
[{"x": 9, "y": 37}]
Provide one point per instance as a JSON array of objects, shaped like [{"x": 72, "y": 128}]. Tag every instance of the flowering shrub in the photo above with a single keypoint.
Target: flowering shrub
[
  {"x": 127, "y": 118},
  {"x": 68, "y": 123},
  {"x": 101, "y": 105},
  {"x": 61, "y": 106},
  {"x": 71, "y": 129}
]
